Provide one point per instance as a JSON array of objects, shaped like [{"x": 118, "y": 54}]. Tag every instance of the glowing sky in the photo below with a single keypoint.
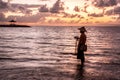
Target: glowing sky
[{"x": 61, "y": 12}]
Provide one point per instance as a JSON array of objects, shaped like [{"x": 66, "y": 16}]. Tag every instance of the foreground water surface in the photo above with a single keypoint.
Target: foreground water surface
[{"x": 48, "y": 53}]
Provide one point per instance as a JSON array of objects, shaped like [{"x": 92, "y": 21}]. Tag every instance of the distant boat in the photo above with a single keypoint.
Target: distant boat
[
  {"x": 12, "y": 21},
  {"x": 12, "y": 24}
]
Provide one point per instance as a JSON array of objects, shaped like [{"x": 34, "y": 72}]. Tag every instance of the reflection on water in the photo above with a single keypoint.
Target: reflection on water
[
  {"x": 80, "y": 73},
  {"x": 54, "y": 47}
]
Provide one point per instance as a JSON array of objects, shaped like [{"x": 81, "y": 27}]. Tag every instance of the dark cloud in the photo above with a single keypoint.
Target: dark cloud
[
  {"x": 114, "y": 11},
  {"x": 84, "y": 9},
  {"x": 6, "y": 6},
  {"x": 19, "y": 7},
  {"x": 76, "y": 8},
  {"x": 3, "y": 5},
  {"x": 23, "y": 9},
  {"x": 86, "y": 4},
  {"x": 2, "y": 17},
  {"x": 104, "y": 3},
  {"x": 44, "y": 9},
  {"x": 57, "y": 7},
  {"x": 75, "y": 16},
  {"x": 66, "y": 15},
  {"x": 96, "y": 15}
]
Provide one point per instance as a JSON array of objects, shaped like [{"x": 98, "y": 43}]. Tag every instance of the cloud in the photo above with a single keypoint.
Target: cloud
[
  {"x": 75, "y": 16},
  {"x": 30, "y": 18},
  {"x": 3, "y": 5},
  {"x": 66, "y": 15},
  {"x": 2, "y": 17},
  {"x": 114, "y": 11},
  {"x": 104, "y": 3},
  {"x": 57, "y": 7},
  {"x": 33, "y": 18},
  {"x": 44, "y": 9},
  {"x": 76, "y": 8},
  {"x": 6, "y": 6},
  {"x": 82, "y": 9},
  {"x": 118, "y": 18},
  {"x": 96, "y": 15},
  {"x": 85, "y": 8},
  {"x": 22, "y": 9},
  {"x": 25, "y": 18}
]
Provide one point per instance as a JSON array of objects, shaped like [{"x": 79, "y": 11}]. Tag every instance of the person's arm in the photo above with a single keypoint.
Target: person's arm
[{"x": 76, "y": 37}]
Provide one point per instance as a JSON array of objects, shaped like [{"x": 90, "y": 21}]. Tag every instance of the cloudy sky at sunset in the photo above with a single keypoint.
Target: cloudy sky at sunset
[{"x": 61, "y": 12}]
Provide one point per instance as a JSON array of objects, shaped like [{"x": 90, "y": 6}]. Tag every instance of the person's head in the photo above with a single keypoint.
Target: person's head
[{"x": 82, "y": 29}]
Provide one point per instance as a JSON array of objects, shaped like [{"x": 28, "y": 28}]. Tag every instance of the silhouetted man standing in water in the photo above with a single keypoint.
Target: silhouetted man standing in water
[{"x": 81, "y": 45}]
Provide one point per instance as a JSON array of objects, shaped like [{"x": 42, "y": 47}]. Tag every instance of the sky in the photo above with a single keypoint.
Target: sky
[{"x": 61, "y": 12}]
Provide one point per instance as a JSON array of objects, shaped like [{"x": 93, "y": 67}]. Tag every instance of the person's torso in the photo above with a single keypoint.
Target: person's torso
[{"x": 82, "y": 39}]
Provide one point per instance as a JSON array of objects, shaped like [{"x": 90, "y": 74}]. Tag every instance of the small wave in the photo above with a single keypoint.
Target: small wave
[
  {"x": 1, "y": 51},
  {"x": 12, "y": 47},
  {"x": 5, "y": 38},
  {"x": 17, "y": 59},
  {"x": 26, "y": 59},
  {"x": 66, "y": 45},
  {"x": 97, "y": 55},
  {"x": 67, "y": 53},
  {"x": 43, "y": 43},
  {"x": 1, "y": 58},
  {"x": 23, "y": 37}
]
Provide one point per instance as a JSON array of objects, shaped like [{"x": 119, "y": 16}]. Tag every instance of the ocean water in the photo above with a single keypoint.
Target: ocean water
[{"x": 50, "y": 52}]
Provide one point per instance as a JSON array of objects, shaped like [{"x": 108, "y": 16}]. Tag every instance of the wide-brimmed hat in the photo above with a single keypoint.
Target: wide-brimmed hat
[{"x": 82, "y": 29}]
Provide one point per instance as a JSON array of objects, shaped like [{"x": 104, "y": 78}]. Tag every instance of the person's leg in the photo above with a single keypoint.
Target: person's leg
[
  {"x": 78, "y": 52},
  {"x": 82, "y": 57}
]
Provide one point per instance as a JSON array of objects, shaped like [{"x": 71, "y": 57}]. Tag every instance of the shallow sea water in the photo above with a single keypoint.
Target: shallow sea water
[{"x": 48, "y": 53}]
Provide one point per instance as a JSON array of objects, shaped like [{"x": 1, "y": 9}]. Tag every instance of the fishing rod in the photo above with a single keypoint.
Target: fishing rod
[
  {"x": 76, "y": 39},
  {"x": 76, "y": 43}
]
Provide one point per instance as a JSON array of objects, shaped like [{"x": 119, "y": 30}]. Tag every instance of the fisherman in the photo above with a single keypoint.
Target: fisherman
[{"x": 81, "y": 45}]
